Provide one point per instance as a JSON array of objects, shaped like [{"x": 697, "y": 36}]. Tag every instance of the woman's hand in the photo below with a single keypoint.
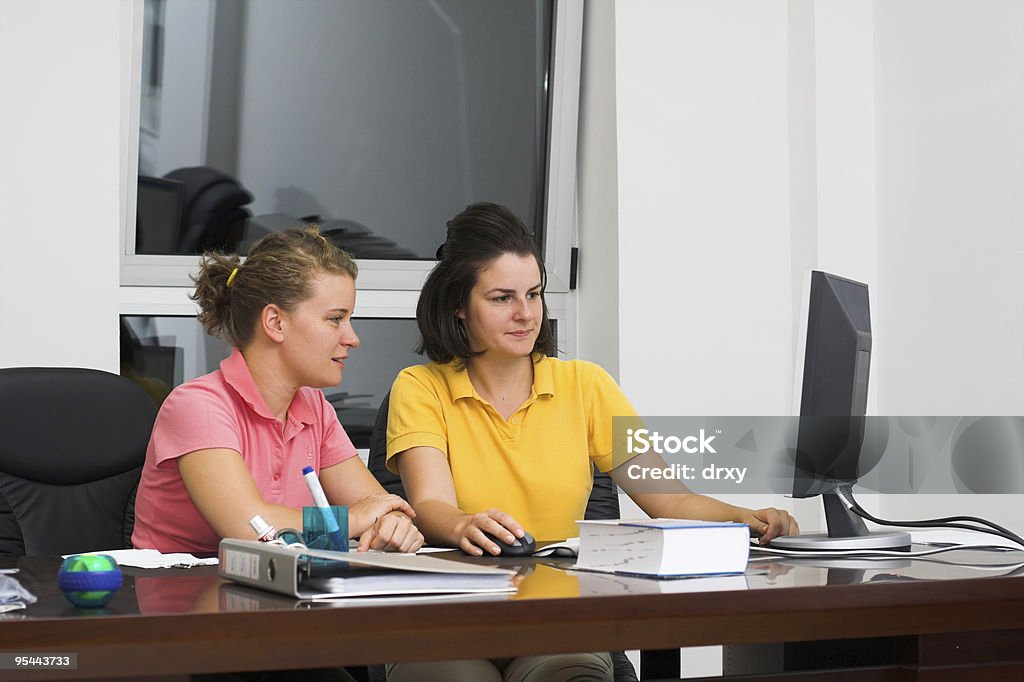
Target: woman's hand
[
  {"x": 770, "y": 523},
  {"x": 369, "y": 510},
  {"x": 393, "y": 532},
  {"x": 471, "y": 528}
]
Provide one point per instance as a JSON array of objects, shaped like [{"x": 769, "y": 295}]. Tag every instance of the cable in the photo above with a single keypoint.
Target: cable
[
  {"x": 867, "y": 553},
  {"x": 992, "y": 528},
  {"x": 947, "y": 522},
  {"x": 759, "y": 553},
  {"x": 946, "y": 519}
]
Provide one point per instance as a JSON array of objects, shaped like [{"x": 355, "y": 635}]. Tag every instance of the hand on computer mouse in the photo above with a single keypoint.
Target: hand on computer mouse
[
  {"x": 493, "y": 532},
  {"x": 523, "y": 546}
]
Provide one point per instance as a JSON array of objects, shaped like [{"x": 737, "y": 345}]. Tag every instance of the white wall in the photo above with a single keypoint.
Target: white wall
[
  {"x": 844, "y": 139},
  {"x": 704, "y": 216},
  {"x": 950, "y": 113},
  {"x": 59, "y": 182},
  {"x": 951, "y": 173},
  {"x": 756, "y": 140},
  {"x": 702, "y": 250}
]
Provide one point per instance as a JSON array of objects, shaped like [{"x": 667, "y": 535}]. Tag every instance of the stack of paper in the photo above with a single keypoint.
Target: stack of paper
[{"x": 150, "y": 558}]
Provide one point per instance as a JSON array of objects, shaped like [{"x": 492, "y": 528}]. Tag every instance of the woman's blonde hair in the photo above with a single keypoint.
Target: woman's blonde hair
[{"x": 279, "y": 269}]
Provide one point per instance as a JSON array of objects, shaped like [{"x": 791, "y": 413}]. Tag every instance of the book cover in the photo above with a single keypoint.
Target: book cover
[{"x": 663, "y": 548}]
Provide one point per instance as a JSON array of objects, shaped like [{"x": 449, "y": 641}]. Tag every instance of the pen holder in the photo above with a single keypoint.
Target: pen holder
[{"x": 325, "y": 527}]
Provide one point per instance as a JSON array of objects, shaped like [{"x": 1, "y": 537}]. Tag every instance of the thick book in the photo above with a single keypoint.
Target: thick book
[
  {"x": 325, "y": 574},
  {"x": 663, "y": 548}
]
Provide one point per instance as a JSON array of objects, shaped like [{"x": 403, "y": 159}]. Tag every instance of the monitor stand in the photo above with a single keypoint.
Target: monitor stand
[
  {"x": 846, "y": 531},
  {"x": 822, "y": 542}
]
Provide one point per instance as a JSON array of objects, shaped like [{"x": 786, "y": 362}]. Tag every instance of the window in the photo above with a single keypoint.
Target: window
[
  {"x": 195, "y": 96},
  {"x": 376, "y": 119},
  {"x": 159, "y": 352}
]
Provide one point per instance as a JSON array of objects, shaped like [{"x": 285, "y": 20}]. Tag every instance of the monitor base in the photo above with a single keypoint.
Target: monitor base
[{"x": 821, "y": 542}]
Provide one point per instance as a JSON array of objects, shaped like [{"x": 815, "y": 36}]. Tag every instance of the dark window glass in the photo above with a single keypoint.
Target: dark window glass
[
  {"x": 377, "y": 119},
  {"x": 161, "y": 352}
]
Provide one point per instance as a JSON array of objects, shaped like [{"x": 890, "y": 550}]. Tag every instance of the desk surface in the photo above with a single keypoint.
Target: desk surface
[{"x": 192, "y": 621}]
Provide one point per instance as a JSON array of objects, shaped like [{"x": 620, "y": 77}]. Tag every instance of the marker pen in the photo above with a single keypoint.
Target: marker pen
[
  {"x": 264, "y": 531},
  {"x": 320, "y": 500}
]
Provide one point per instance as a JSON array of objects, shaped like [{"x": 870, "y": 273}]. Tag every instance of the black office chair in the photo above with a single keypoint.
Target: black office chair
[
  {"x": 72, "y": 445},
  {"x": 603, "y": 504},
  {"x": 215, "y": 212}
]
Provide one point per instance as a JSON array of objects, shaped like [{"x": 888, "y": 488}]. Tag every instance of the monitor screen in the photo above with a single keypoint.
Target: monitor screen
[{"x": 833, "y": 404}]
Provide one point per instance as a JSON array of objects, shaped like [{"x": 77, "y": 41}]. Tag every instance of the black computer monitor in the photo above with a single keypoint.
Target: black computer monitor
[
  {"x": 160, "y": 209},
  {"x": 830, "y": 451}
]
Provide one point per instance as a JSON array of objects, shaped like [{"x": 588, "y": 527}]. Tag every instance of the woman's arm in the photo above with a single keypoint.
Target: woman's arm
[
  {"x": 428, "y": 482},
  {"x": 380, "y": 520},
  {"x": 672, "y": 499},
  {"x": 662, "y": 498},
  {"x": 221, "y": 487}
]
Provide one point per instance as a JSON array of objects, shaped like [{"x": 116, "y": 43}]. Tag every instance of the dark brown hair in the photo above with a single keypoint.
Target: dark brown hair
[
  {"x": 279, "y": 269},
  {"x": 476, "y": 237}
]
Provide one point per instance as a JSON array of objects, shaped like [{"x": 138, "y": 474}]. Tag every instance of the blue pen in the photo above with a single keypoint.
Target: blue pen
[{"x": 320, "y": 500}]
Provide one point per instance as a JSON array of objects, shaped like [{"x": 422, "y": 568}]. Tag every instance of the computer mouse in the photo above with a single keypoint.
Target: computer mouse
[
  {"x": 523, "y": 546},
  {"x": 563, "y": 552}
]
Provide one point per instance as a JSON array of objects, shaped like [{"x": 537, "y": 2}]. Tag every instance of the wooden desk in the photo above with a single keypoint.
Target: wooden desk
[{"x": 181, "y": 621}]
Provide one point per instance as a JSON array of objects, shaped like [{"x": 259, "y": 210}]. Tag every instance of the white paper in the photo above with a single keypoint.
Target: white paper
[
  {"x": 150, "y": 558},
  {"x": 13, "y": 595},
  {"x": 569, "y": 547}
]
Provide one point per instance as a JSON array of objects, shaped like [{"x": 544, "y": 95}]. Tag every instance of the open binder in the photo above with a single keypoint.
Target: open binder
[{"x": 325, "y": 574}]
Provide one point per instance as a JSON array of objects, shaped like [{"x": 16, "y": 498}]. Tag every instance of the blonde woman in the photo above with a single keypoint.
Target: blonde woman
[{"x": 232, "y": 444}]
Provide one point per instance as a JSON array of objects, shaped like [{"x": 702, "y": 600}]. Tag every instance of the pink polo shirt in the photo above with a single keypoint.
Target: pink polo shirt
[{"x": 224, "y": 409}]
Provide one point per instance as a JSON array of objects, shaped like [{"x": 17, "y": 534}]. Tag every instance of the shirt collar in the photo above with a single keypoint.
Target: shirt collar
[
  {"x": 461, "y": 387},
  {"x": 543, "y": 377},
  {"x": 458, "y": 380},
  {"x": 237, "y": 375}
]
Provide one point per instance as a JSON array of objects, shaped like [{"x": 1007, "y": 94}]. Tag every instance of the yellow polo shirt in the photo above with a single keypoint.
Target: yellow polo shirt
[{"x": 535, "y": 466}]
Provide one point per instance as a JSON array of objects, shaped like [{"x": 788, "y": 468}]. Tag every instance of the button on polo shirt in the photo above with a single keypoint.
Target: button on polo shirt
[
  {"x": 224, "y": 409},
  {"x": 536, "y": 465}
]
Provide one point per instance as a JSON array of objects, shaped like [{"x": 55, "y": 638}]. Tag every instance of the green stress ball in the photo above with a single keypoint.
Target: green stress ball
[{"x": 89, "y": 580}]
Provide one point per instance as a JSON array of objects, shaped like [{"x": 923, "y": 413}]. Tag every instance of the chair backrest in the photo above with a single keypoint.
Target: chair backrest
[
  {"x": 604, "y": 497},
  {"x": 72, "y": 445},
  {"x": 214, "y": 208}
]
